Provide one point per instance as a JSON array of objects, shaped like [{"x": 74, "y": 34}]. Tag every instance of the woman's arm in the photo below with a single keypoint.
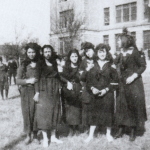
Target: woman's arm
[
  {"x": 19, "y": 78},
  {"x": 139, "y": 58}
]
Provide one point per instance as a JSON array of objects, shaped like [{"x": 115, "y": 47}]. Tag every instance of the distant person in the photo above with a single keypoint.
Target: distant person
[
  {"x": 3, "y": 80},
  {"x": 12, "y": 70},
  {"x": 149, "y": 54},
  {"x": 22, "y": 55}
]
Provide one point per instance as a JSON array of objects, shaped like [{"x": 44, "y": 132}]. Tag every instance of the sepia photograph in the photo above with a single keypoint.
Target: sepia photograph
[{"x": 75, "y": 74}]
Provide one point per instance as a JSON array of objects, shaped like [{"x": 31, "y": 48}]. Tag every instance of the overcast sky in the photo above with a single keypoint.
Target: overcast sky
[{"x": 28, "y": 17}]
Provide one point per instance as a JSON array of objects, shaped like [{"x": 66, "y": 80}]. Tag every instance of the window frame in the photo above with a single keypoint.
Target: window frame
[
  {"x": 126, "y": 12},
  {"x": 146, "y": 39},
  {"x": 106, "y": 16},
  {"x": 106, "y": 39}
]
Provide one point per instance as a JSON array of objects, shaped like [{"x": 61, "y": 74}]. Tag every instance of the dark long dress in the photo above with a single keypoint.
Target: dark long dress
[
  {"x": 72, "y": 97},
  {"x": 48, "y": 107},
  {"x": 27, "y": 94},
  {"x": 85, "y": 96},
  {"x": 130, "y": 104},
  {"x": 101, "y": 109}
]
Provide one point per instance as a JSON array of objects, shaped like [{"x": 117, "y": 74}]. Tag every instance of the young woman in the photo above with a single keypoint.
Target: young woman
[
  {"x": 71, "y": 90},
  {"x": 48, "y": 106},
  {"x": 27, "y": 77},
  {"x": 4, "y": 85},
  {"x": 130, "y": 106},
  {"x": 89, "y": 55},
  {"x": 101, "y": 82}
]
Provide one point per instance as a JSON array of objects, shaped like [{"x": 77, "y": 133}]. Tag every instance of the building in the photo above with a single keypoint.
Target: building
[{"x": 103, "y": 20}]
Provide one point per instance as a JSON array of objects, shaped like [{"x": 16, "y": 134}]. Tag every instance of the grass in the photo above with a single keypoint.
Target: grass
[{"x": 12, "y": 136}]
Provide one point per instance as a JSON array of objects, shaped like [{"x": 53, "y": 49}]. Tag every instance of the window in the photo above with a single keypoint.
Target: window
[
  {"x": 65, "y": 18},
  {"x": 146, "y": 9},
  {"x": 134, "y": 35},
  {"x": 133, "y": 11},
  {"x": 126, "y": 12},
  {"x": 62, "y": 0},
  {"x": 146, "y": 36},
  {"x": 118, "y": 13},
  {"x": 65, "y": 45},
  {"x": 116, "y": 38},
  {"x": 106, "y": 16},
  {"x": 106, "y": 39}
]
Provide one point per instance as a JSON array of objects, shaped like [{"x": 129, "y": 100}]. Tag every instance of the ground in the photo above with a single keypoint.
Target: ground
[{"x": 12, "y": 136}]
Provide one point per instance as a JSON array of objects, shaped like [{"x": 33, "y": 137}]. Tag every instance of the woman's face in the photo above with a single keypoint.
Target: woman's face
[
  {"x": 74, "y": 58},
  {"x": 47, "y": 53},
  {"x": 31, "y": 53},
  {"x": 102, "y": 54},
  {"x": 119, "y": 42},
  {"x": 89, "y": 53}
]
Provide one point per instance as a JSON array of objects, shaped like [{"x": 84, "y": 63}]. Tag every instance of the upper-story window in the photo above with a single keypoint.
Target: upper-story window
[
  {"x": 126, "y": 12},
  {"x": 106, "y": 39},
  {"x": 65, "y": 18},
  {"x": 106, "y": 16},
  {"x": 62, "y": 0},
  {"x": 146, "y": 37},
  {"x": 146, "y": 10}
]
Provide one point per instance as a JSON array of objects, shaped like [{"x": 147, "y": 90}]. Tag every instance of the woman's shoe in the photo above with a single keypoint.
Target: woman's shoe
[
  {"x": 119, "y": 134},
  {"x": 132, "y": 135},
  {"x": 28, "y": 140}
]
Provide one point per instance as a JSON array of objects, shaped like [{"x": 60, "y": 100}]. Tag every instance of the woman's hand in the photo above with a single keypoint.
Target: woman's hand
[
  {"x": 80, "y": 72},
  {"x": 60, "y": 68},
  {"x": 69, "y": 86},
  {"x": 95, "y": 91},
  {"x": 89, "y": 66},
  {"x": 131, "y": 78},
  {"x": 31, "y": 80},
  {"x": 102, "y": 92},
  {"x": 36, "y": 97}
]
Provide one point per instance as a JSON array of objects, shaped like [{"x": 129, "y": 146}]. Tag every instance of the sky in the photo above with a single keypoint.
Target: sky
[{"x": 26, "y": 18}]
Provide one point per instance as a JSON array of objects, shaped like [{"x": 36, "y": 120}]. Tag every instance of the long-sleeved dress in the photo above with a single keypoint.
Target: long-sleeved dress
[
  {"x": 48, "y": 107},
  {"x": 101, "y": 109},
  {"x": 85, "y": 96},
  {"x": 27, "y": 94},
  {"x": 130, "y": 104},
  {"x": 72, "y": 97}
]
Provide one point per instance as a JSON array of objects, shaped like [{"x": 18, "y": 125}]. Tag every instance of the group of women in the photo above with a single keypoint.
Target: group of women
[{"x": 82, "y": 87}]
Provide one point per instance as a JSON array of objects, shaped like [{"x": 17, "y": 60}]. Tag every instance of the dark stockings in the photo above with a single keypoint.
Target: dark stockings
[{"x": 74, "y": 129}]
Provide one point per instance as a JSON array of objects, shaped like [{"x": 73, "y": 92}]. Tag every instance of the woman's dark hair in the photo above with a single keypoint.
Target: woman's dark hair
[
  {"x": 27, "y": 60},
  {"x": 101, "y": 47},
  {"x": 36, "y": 48},
  {"x": 68, "y": 61},
  {"x": 52, "y": 59},
  {"x": 126, "y": 39}
]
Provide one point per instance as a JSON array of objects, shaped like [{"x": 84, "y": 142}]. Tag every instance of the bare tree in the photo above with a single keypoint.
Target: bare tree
[{"x": 67, "y": 25}]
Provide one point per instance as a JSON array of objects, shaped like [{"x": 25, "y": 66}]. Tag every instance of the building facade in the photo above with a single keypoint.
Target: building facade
[{"x": 103, "y": 20}]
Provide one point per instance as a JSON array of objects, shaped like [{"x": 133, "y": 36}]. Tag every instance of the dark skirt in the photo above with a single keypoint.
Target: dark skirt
[
  {"x": 130, "y": 105},
  {"x": 28, "y": 108},
  {"x": 48, "y": 107},
  {"x": 73, "y": 104},
  {"x": 73, "y": 115},
  {"x": 101, "y": 110}
]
